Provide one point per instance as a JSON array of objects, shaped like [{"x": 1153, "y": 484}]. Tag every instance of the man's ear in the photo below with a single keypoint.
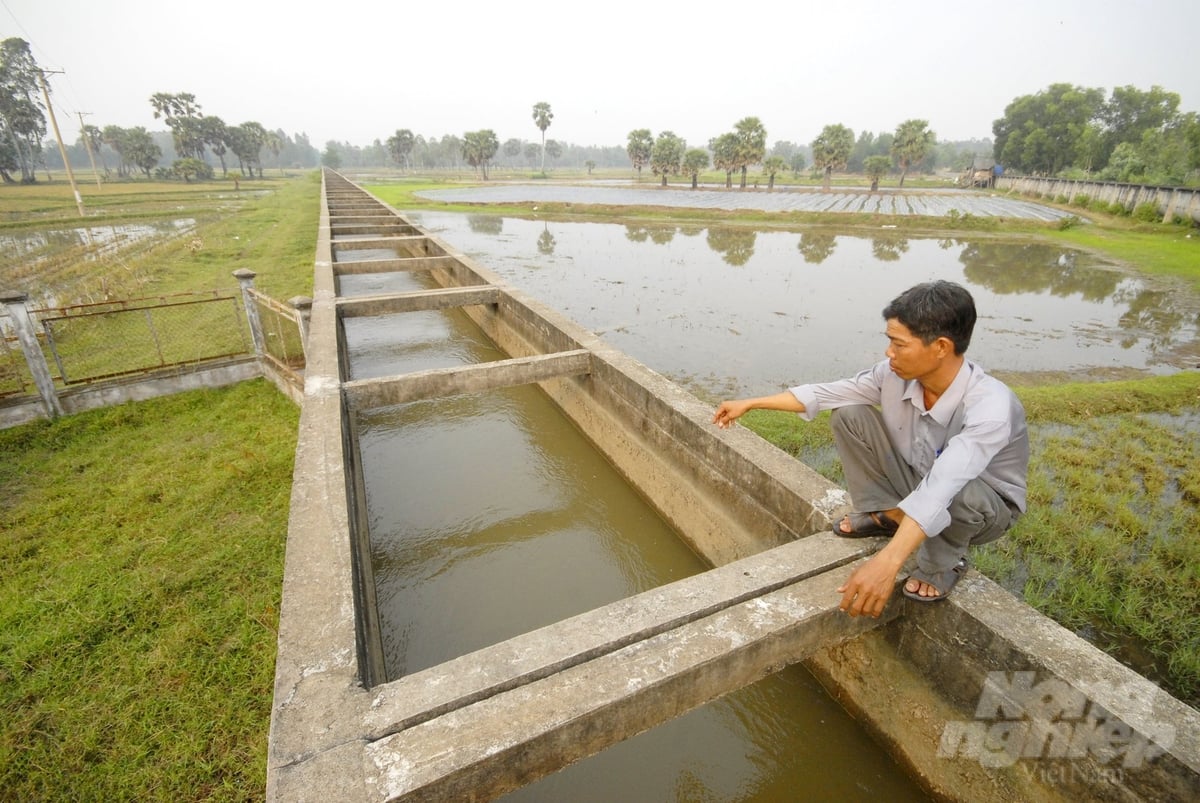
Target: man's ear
[{"x": 945, "y": 346}]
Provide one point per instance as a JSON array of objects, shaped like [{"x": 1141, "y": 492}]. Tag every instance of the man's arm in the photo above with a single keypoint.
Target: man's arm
[
  {"x": 870, "y": 586},
  {"x": 730, "y": 411}
]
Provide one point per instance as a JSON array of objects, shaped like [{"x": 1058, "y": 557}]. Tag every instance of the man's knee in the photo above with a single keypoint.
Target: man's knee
[
  {"x": 980, "y": 514},
  {"x": 853, "y": 417}
]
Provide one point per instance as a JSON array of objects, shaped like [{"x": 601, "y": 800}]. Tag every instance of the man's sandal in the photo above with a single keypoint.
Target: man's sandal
[
  {"x": 943, "y": 582},
  {"x": 864, "y": 525}
]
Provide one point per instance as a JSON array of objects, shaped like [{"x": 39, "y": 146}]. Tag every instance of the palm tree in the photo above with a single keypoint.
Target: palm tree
[
  {"x": 912, "y": 143},
  {"x": 751, "y": 143},
  {"x": 638, "y": 147},
  {"x": 541, "y": 118},
  {"x": 831, "y": 149}
]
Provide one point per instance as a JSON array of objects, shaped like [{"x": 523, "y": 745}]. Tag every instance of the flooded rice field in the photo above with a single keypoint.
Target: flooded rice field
[
  {"x": 928, "y": 203},
  {"x": 56, "y": 266},
  {"x": 734, "y": 311}
]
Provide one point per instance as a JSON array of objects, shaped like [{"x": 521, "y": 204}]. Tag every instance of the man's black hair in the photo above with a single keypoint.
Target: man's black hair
[{"x": 936, "y": 309}]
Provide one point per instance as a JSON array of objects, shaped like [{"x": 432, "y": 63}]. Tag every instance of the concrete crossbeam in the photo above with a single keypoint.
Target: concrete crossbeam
[
  {"x": 380, "y": 392},
  {"x": 685, "y": 657},
  {"x": 375, "y": 242},
  {"x": 362, "y": 306},
  {"x": 392, "y": 265}
]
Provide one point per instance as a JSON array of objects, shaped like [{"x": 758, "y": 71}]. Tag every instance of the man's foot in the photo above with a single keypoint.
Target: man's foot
[
  {"x": 933, "y": 586},
  {"x": 863, "y": 525}
]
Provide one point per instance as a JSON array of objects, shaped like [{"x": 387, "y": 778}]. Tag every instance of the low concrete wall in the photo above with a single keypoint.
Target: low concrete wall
[
  {"x": 1171, "y": 202},
  {"x": 26, "y": 409}
]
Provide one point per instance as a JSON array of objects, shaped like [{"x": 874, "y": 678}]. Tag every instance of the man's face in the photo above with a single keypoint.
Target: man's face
[{"x": 908, "y": 356}]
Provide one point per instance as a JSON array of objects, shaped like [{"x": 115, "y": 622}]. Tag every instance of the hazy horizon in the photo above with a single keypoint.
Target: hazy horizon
[{"x": 364, "y": 69}]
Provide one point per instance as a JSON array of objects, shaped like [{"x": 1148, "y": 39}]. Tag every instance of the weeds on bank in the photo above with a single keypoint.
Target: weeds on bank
[
  {"x": 141, "y": 562},
  {"x": 1108, "y": 547}
]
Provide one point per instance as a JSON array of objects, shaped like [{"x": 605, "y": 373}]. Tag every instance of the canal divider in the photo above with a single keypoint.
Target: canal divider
[{"x": 980, "y": 696}]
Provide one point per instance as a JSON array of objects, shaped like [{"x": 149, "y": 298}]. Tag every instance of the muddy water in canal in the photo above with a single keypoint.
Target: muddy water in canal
[
  {"x": 733, "y": 311},
  {"x": 490, "y": 515}
]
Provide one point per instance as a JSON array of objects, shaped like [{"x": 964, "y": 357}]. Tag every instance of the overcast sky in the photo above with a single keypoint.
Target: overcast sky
[{"x": 357, "y": 70}]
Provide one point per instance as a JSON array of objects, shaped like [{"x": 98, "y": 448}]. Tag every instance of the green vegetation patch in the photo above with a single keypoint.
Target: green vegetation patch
[{"x": 141, "y": 563}]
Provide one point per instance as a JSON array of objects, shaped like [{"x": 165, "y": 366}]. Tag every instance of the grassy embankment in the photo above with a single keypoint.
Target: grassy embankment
[{"x": 142, "y": 547}]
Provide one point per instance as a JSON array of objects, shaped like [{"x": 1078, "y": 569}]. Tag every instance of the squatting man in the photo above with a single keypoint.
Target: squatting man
[{"x": 934, "y": 450}]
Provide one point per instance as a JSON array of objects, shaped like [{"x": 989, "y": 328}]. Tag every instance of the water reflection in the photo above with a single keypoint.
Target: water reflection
[
  {"x": 545, "y": 242},
  {"x": 736, "y": 246},
  {"x": 730, "y": 313},
  {"x": 816, "y": 246}
]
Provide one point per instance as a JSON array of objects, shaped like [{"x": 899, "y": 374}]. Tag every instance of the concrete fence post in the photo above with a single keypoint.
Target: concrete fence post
[
  {"x": 303, "y": 307},
  {"x": 27, "y": 335},
  {"x": 245, "y": 278}
]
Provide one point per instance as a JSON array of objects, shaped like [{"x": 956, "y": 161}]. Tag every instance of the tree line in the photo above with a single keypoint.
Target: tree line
[
  {"x": 195, "y": 137},
  {"x": 1065, "y": 130}
]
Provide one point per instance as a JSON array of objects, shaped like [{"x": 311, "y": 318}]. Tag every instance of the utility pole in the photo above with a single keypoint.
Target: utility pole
[
  {"x": 61, "y": 148},
  {"x": 87, "y": 143}
]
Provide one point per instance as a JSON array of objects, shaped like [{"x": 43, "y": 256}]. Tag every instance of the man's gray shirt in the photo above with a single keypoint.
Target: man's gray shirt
[{"x": 989, "y": 441}]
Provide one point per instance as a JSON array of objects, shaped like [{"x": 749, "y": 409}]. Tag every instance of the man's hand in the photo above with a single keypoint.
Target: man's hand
[
  {"x": 867, "y": 591},
  {"x": 730, "y": 411},
  {"x": 869, "y": 587}
]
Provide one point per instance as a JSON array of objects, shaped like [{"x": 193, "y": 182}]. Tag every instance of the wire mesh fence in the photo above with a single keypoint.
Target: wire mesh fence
[
  {"x": 282, "y": 334},
  {"x": 15, "y": 379},
  {"x": 89, "y": 342}
]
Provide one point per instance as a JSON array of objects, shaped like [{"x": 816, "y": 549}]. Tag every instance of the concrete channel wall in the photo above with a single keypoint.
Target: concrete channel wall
[
  {"x": 1171, "y": 202},
  {"x": 961, "y": 691}
]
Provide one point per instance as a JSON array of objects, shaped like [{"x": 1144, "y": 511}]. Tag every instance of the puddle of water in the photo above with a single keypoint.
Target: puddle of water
[{"x": 730, "y": 311}]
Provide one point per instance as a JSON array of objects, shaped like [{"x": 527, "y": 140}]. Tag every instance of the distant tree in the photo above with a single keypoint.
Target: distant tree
[
  {"x": 247, "y": 141},
  {"x": 512, "y": 149},
  {"x": 1129, "y": 113},
  {"x": 214, "y": 134},
  {"x": 831, "y": 149},
  {"x": 639, "y": 145},
  {"x": 142, "y": 150},
  {"x": 725, "y": 155},
  {"x": 590, "y": 164},
  {"x": 400, "y": 146},
  {"x": 541, "y": 118},
  {"x": 771, "y": 166},
  {"x": 1040, "y": 133},
  {"x": 478, "y": 148},
  {"x": 695, "y": 161},
  {"x": 533, "y": 152},
  {"x": 553, "y": 149},
  {"x": 913, "y": 142},
  {"x": 330, "y": 157},
  {"x": 191, "y": 167},
  {"x": 22, "y": 122},
  {"x": 876, "y": 167},
  {"x": 797, "y": 163},
  {"x": 274, "y": 144},
  {"x": 751, "y": 144},
  {"x": 95, "y": 139},
  {"x": 666, "y": 158},
  {"x": 182, "y": 115}
]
